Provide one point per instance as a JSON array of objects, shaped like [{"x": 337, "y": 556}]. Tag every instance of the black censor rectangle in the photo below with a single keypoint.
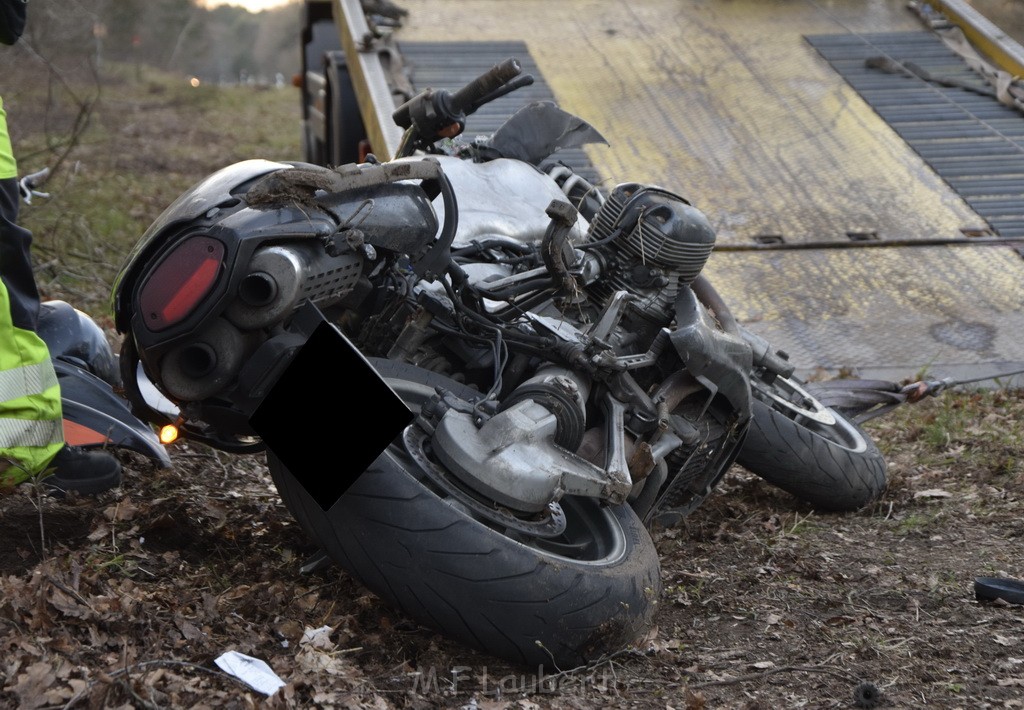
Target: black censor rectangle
[{"x": 329, "y": 415}]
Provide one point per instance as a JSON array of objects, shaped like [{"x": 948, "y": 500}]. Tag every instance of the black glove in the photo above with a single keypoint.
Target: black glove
[{"x": 12, "y": 20}]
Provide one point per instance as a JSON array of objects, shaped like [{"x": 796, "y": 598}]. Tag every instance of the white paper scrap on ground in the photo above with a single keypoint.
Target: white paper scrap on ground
[
  {"x": 251, "y": 671},
  {"x": 317, "y": 638}
]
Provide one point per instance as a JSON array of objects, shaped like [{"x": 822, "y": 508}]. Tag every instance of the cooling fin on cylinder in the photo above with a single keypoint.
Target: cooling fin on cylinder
[
  {"x": 658, "y": 227},
  {"x": 651, "y": 243}
]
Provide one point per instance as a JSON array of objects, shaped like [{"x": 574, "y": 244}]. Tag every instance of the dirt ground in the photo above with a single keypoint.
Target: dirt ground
[{"x": 125, "y": 600}]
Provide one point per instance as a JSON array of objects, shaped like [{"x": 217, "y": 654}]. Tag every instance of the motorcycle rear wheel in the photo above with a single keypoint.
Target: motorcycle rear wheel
[
  {"x": 558, "y": 603},
  {"x": 810, "y": 451}
]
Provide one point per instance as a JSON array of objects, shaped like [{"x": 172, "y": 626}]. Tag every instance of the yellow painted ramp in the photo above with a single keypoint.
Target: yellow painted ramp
[{"x": 726, "y": 103}]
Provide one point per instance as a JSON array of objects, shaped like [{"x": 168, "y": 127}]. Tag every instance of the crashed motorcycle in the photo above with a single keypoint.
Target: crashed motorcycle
[{"x": 571, "y": 377}]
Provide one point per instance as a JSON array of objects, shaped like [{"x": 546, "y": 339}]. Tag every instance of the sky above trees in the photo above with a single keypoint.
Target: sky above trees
[{"x": 225, "y": 43}]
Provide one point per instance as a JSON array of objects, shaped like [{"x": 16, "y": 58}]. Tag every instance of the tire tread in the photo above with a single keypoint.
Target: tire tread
[
  {"x": 449, "y": 572},
  {"x": 810, "y": 467}
]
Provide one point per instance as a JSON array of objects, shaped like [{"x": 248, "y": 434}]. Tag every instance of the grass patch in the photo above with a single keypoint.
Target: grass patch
[
  {"x": 917, "y": 523},
  {"x": 149, "y": 137},
  {"x": 978, "y": 430}
]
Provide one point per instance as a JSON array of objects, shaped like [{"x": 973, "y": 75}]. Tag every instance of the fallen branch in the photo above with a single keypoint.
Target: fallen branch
[
  {"x": 108, "y": 677},
  {"x": 772, "y": 671}
]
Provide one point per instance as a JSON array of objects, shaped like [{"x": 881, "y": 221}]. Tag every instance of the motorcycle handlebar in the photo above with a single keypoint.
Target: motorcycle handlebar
[
  {"x": 426, "y": 116},
  {"x": 485, "y": 84}
]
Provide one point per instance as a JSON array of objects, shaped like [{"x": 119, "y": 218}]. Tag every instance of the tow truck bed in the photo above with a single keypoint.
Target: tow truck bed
[{"x": 829, "y": 221}]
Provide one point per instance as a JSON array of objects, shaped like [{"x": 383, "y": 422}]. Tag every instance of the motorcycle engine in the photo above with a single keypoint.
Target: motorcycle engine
[{"x": 649, "y": 242}]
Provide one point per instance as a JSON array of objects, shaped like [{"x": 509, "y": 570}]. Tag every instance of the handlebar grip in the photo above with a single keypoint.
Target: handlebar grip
[{"x": 496, "y": 77}]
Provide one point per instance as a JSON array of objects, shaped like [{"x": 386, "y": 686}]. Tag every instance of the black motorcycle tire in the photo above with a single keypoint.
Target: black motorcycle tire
[
  {"x": 444, "y": 568},
  {"x": 833, "y": 467}
]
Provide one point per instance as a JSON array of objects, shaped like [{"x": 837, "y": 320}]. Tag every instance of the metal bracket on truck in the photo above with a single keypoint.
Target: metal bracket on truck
[{"x": 351, "y": 80}]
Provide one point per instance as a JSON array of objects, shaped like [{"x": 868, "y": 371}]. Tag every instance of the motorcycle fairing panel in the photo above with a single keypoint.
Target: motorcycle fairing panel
[{"x": 94, "y": 416}]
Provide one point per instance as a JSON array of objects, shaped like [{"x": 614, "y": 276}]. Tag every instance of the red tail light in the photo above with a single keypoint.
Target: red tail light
[{"x": 181, "y": 281}]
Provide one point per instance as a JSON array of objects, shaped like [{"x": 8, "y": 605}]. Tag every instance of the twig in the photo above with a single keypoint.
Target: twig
[
  {"x": 550, "y": 655},
  {"x": 127, "y": 687},
  {"x": 68, "y": 590},
  {"x": 85, "y": 106},
  {"x": 797, "y": 520},
  {"x": 42, "y": 528},
  {"x": 147, "y": 664},
  {"x": 37, "y": 500},
  {"x": 578, "y": 669},
  {"x": 772, "y": 671},
  {"x": 126, "y": 684}
]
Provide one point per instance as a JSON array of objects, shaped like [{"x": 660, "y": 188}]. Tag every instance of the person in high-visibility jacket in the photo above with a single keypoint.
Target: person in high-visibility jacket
[{"x": 31, "y": 427}]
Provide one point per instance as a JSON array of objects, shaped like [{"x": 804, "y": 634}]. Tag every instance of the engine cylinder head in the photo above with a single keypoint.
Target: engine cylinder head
[
  {"x": 656, "y": 227},
  {"x": 651, "y": 242}
]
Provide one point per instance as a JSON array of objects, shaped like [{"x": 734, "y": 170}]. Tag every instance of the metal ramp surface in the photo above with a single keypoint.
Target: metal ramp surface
[
  {"x": 730, "y": 105},
  {"x": 974, "y": 142}
]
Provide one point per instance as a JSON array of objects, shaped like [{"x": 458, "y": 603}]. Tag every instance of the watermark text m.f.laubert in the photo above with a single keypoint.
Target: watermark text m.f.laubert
[{"x": 432, "y": 681}]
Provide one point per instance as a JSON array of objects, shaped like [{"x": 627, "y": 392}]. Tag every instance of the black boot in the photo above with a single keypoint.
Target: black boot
[{"x": 82, "y": 471}]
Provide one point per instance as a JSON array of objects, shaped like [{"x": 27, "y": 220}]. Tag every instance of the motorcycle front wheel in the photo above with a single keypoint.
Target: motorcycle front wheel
[
  {"x": 810, "y": 451},
  {"x": 556, "y": 602}
]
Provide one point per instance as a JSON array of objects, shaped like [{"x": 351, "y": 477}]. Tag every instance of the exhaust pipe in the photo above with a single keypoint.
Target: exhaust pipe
[
  {"x": 206, "y": 365},
  {"x": 280, "y": 277}
]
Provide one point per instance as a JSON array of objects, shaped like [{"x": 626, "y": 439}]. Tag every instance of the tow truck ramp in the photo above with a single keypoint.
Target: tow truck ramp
[{"x": 868, "y": 194}]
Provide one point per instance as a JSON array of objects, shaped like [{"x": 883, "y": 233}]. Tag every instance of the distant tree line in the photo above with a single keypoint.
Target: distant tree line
[{"x": 225, "y": 44}]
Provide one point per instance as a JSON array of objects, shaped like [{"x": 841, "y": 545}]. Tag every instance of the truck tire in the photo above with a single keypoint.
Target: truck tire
[{"x": 345, "y": 130}]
